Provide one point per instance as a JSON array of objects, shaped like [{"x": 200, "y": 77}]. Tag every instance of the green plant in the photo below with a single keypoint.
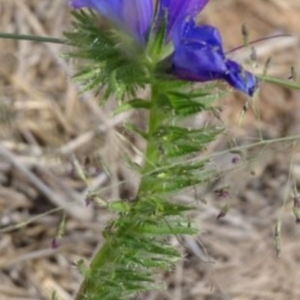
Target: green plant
[{"x": 136, "y": 242}]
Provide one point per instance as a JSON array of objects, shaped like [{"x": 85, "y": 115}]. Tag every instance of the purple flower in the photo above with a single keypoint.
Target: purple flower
[
  {"x": 178, "y": 10},
  {"x": 134, "y": 16},
  {"x": 199, "y": 56},
  {"x": 198, "y": 51}
]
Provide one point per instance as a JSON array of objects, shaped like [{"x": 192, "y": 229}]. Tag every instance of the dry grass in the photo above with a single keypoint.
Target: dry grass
[{"x": 46, "y": 129}]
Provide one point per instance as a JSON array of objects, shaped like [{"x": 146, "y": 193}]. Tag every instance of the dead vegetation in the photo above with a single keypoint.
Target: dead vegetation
[{"x": 47, "y": 130}]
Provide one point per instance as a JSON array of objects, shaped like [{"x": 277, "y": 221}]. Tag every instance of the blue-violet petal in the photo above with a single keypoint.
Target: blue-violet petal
[
  {"x": 178, "y": 11},
  {"x": 133, "y": 15}
]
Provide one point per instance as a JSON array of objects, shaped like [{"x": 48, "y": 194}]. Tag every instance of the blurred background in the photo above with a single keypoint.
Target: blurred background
[{"x": 50, "y": 136}]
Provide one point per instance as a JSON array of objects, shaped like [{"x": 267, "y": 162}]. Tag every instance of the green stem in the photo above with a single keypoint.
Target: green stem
[
  {"x": 153, "y": 152},
  {"x": 106, "y": 254},
  {"x": 101, "y": 258},
  {"x": 35, "y": 38},
  {"x": 155, "y": 118}
]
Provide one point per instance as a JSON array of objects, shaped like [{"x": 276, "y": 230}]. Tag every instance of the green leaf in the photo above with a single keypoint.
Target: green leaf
[
  {"x": 119, "y": 206},
  {"x": 131, "y": 127},
  {"x": 187, "y": 103},
  {"x": 133, "y": 104},
  {"x": 176, "y": 141},
  {"x": 107, "y": 57},
  {"x": 166, "y": 229}
]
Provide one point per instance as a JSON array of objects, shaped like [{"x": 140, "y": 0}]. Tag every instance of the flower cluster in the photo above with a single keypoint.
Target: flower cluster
[{"x": 198, "y": 53}]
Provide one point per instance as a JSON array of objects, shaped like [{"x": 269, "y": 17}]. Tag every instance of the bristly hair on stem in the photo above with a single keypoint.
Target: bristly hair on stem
[
  {"x": 136, "y": 242},
  {"x": 109, "y": 60}
]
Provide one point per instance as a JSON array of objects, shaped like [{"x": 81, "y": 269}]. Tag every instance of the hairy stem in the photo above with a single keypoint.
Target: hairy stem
[{"x": 106, "y": 255}]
